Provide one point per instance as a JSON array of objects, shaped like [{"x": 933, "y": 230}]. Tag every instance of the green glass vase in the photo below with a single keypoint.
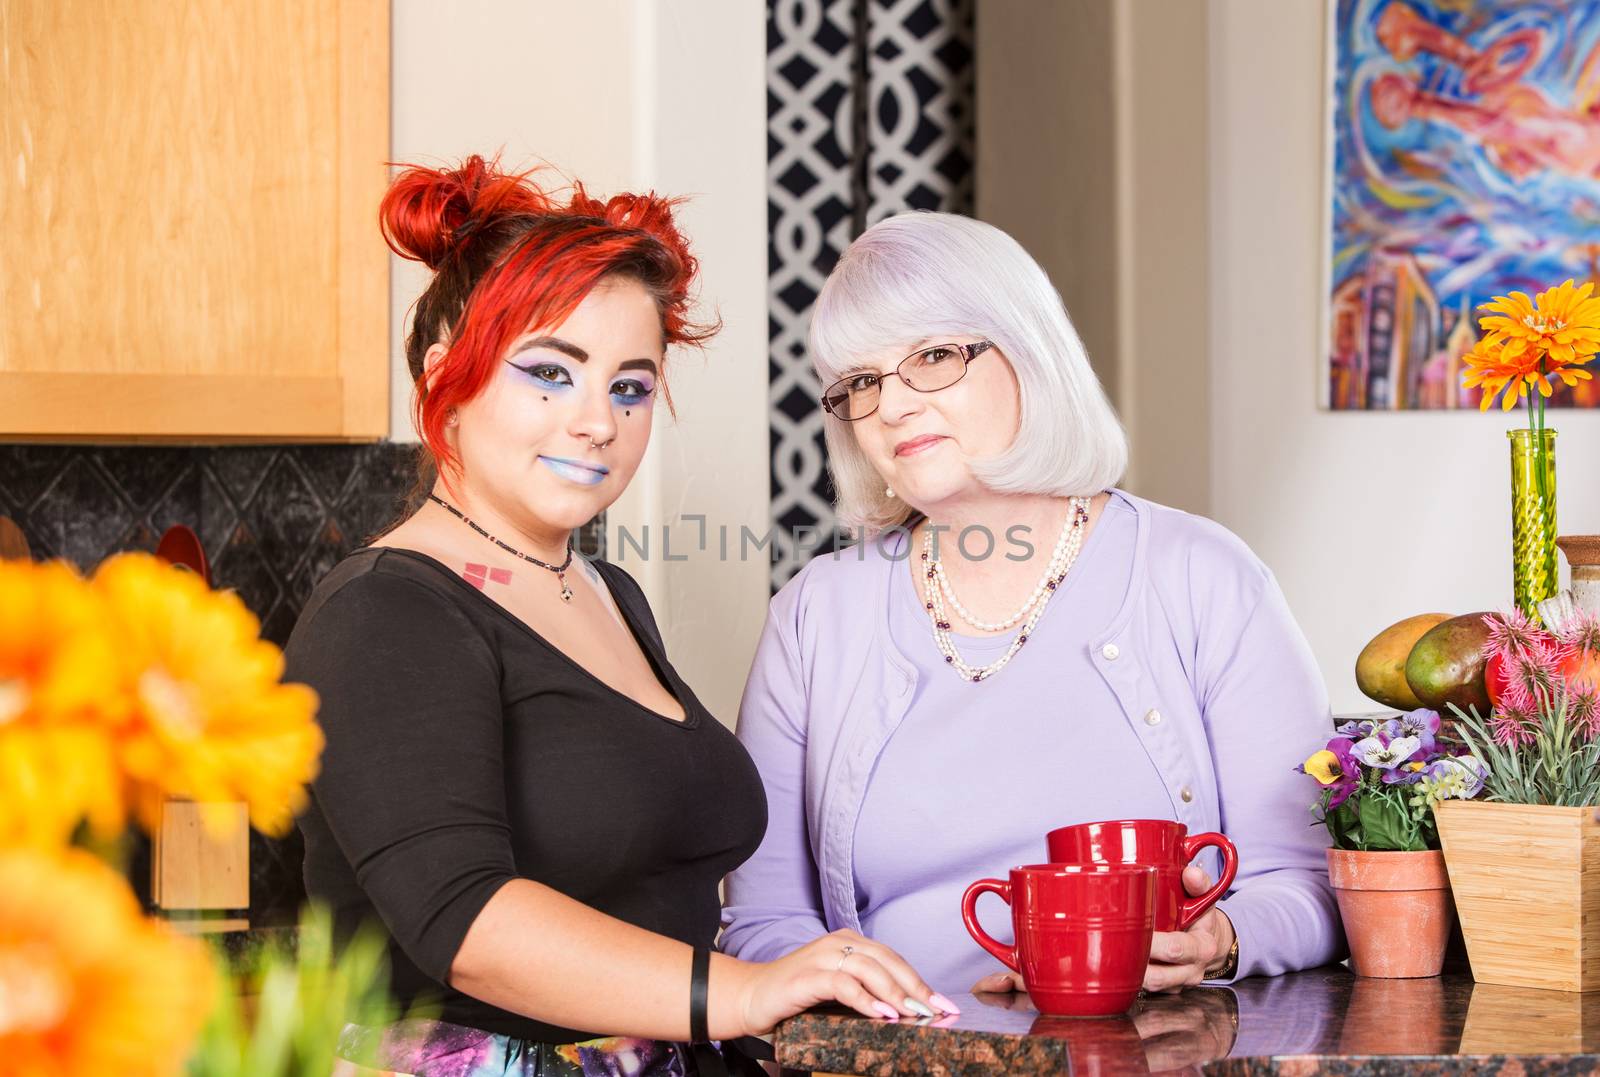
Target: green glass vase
[{"x": 1535, "y": 575}]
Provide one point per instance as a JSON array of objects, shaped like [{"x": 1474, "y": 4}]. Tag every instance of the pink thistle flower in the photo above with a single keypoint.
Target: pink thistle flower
[
  {"x": 1583, "y": 710},
  {"x": 1581, "y": 633},
  {"x": 1513, "y": 726},
  {"x": 1511, "y": 634},
  {"x": 1536, "y": 672}
]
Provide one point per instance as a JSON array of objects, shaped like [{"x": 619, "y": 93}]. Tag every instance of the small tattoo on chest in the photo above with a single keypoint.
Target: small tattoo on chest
[{"x": 479, "y": 575}]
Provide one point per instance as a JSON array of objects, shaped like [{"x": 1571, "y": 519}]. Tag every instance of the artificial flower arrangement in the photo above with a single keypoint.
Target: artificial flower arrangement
[
  {"x": 1381, "y": 778},
  {"x": 1541, "y": 739},
  {"x": 1530, "y": 347},
  {"x": 117, "y": 693}
]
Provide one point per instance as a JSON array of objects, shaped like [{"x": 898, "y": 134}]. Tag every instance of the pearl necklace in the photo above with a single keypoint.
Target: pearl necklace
[
  {"x": 935, "y": 587},
  {"x": 1056, "y": 566}
]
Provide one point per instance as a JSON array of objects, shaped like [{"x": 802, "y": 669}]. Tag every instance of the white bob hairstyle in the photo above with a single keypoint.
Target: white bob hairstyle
[{"x": 925, "y": 277}]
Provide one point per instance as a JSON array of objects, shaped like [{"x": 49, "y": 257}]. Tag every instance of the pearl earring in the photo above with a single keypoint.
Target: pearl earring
[{"x": 888, "y": 492}]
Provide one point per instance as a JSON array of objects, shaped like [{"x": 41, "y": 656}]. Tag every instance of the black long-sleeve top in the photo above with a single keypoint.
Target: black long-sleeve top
[{"x": 464, "y": 750}]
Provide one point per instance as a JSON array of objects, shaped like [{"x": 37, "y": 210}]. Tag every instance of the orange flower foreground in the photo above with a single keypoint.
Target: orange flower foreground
[
  {"x": 208, "y": 719},
  {"x": 88, "y": 986},
  {"x": 140, "y": 685},
  {"x": 60, "y": 701}
]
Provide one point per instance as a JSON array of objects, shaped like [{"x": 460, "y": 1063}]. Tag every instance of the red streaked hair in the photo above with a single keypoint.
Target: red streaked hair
[{"x": 508, "y": 258}]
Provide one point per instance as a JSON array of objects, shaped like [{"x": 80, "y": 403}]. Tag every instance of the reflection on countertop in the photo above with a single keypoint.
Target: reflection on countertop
[{"x": 1320, "y": 1021}]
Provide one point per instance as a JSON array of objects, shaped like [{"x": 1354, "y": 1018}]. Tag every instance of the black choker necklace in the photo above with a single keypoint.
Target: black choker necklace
[{"x": 560, "y": 570}]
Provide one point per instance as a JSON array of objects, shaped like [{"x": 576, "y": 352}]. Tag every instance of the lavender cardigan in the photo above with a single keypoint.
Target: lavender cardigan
[{"x": 1203, "y": 631}]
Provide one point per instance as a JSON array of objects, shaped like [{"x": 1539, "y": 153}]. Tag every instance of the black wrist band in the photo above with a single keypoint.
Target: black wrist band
[{"x": 699, "y": 988}]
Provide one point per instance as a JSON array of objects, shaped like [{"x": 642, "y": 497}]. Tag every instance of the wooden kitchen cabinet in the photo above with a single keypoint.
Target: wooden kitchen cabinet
[{"x": 188, "y": 219}]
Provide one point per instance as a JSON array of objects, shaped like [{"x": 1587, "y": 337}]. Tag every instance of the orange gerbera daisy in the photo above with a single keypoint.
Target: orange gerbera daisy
[
  {"x": 1562, "y": 323},
  {"x": 1491, "y": 367},
  {"x": 60, "y": 699},
  {"x": 210, "y": 720},
  {"x": 88, "y": 986}
]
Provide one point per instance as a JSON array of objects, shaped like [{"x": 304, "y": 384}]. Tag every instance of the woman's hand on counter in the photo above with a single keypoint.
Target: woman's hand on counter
[
  {"x": 1179, "y": 959},
  {"x": 843, "y": 966}
]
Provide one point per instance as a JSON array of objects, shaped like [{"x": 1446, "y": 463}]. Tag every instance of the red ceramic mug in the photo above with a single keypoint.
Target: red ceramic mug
[
  {"x": 1082, "y": 930},
  {"x": 1165, "y": 845}
]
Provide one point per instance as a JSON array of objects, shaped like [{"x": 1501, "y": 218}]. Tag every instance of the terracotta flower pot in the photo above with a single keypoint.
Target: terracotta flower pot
[{"x": 1396, "y": 909}]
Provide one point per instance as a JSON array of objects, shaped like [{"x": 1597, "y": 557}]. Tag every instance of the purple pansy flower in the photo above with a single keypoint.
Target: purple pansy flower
[
  {"x": 1422, "y": 724},
  {"x": 1356, "y": 729},
  {"x": 1407, "y": 773},
  {"x": 1349, "y": 769},
  {"x": 1381, "y": 753},
  {"x": 1348, "y": 763}
]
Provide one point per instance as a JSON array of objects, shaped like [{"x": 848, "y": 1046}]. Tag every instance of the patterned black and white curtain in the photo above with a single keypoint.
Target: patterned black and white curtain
[{"x": 869, "y": 113}]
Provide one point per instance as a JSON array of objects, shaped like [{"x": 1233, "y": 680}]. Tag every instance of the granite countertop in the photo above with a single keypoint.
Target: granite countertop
[{"x": 1320, "y": 1021}]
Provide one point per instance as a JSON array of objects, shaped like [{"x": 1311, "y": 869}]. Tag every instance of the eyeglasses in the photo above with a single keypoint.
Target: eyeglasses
[{"x": 926, "y": 371}]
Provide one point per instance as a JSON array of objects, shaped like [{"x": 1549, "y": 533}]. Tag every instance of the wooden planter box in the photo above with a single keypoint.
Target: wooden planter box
[{"x": 1526, "y": 880}]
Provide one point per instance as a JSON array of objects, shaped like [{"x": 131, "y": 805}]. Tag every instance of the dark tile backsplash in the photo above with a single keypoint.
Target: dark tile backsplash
[{"x": 272, "y": 519}]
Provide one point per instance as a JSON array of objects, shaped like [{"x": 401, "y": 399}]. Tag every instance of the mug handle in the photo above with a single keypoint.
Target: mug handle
[
  {"x": 1195, "y": 907},
  {"x": 969, "y": 916}
]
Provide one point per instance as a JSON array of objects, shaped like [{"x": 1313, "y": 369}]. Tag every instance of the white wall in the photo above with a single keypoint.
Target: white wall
[
  {"x": 1365, "y": 518},
  {"x": 1112, "y": 203},
  {"x": 631, "y": 94}
]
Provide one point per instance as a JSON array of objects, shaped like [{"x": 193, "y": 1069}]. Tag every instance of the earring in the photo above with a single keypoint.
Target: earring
[{"x": 888, "y": 492}]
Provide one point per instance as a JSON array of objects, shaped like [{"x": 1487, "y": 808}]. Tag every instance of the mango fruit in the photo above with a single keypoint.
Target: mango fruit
[
  {"x": 1381, "y": 665},
  {"x": 1446, "y": 665}
]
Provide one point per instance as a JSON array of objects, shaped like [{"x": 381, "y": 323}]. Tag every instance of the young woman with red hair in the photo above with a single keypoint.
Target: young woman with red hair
[{"x": 516, "y": 783}]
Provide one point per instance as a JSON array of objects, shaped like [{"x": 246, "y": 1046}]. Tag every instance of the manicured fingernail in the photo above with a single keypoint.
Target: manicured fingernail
[
  {"x": 887, "y": 1010},
  {"x": 917, "y": 1008},
  {"x": 944, "y": 1004}
]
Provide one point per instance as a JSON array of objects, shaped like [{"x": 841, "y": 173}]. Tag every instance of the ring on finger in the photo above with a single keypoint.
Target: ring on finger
[{"x": 844, "y": 953}]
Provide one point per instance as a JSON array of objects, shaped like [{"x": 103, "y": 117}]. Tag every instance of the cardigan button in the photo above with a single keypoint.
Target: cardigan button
[
  {"x": 1152, "y": 717},
  {"x": 1186, "y": 794},
  {"x": 1110, "y": 652}
]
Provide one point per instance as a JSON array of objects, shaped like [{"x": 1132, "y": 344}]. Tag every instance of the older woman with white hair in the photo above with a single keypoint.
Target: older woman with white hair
[{"x": 1015, "y": 645}]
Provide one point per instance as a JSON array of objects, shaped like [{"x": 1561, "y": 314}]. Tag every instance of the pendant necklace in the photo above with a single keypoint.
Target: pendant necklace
[{"x": 560, "y": 570}]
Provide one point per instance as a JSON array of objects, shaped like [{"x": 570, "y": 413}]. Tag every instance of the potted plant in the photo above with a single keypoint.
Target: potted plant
[
  {"x": 1524, "y": 862},
  {"x": 1379, "y": 779}
]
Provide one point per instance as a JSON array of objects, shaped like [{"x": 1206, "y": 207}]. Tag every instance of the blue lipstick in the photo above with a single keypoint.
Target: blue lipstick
[{"x": 576, "y": 470}]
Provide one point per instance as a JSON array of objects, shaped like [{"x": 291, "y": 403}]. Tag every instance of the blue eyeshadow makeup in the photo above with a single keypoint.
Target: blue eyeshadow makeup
[
  {"x": 551, "y": 377},
  {"x": 632, "y": 392}
]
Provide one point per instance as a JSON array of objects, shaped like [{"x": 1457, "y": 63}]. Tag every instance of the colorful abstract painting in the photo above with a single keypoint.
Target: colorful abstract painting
[{"x": 1466, "y": 164}]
